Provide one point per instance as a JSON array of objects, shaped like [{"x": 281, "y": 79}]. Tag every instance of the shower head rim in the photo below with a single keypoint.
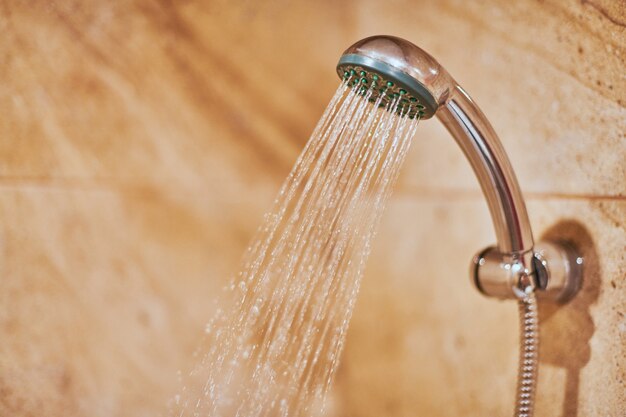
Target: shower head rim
[{"x": 400, "y": 78}]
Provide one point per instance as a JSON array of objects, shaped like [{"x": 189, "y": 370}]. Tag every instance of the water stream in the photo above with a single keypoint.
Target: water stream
[{"x": 276, "y": 350}]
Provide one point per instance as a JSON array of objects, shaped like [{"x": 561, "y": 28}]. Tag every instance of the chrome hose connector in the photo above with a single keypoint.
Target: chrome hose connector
[{"x": 552, "y": 270}]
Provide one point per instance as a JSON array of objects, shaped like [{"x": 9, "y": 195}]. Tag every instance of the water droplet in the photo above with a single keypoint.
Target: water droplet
[{"x": 246, "y": 353}]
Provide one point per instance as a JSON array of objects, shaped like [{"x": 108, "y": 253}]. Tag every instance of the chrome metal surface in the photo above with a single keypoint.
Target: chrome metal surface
[
  {"x": 560, "y": 269},
  {"x": 480, "y": 144},
  {"x": 503, "y": 276},
  {"x": 554, "y": 269},
  {"x": 408, "y": 59}
]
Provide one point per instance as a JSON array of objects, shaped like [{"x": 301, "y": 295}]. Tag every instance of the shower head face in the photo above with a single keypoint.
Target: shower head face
[{"x": 396, "y": 69}]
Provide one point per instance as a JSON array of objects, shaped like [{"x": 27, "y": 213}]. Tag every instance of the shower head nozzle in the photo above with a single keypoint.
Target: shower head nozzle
[{"x": 397, "y": 69}]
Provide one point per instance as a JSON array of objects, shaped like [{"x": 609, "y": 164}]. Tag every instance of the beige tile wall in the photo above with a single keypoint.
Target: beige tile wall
[{"x": 141, "y": 142}]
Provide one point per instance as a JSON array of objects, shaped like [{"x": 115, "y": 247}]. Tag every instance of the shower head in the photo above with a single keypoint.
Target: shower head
[
  {"x": 404, "y": 79},
  {"x": 395, "y": 68},
  {"x": 398, "y": 72}
]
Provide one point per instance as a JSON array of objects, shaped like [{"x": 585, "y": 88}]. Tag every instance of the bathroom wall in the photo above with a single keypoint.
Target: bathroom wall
[{"x": 141, "y": 142}]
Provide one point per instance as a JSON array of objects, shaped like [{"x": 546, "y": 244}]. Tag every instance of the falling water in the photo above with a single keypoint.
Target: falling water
[{"x": 275, "y": 352}]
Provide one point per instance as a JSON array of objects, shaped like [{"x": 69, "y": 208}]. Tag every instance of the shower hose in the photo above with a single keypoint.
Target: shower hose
[{"x": 529, "y": 355}]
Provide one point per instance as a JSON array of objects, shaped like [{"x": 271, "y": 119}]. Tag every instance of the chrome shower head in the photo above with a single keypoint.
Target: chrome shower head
[
  {"x": 395, "y": 68},
  {"x": 398, "y": 71},
  {"x": 400, "y": 68}
]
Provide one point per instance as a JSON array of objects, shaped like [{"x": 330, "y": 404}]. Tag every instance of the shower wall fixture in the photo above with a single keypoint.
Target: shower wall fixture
[{"x": 517, "y": 267}]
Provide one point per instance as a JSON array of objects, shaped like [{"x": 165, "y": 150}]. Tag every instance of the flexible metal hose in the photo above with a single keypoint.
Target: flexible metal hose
[{"x": 529, "y": 355}]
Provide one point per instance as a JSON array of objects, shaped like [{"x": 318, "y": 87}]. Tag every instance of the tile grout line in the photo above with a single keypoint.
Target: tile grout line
[
  {"x": 431, "y": 193},
  {"x": 469, "y": 194}
]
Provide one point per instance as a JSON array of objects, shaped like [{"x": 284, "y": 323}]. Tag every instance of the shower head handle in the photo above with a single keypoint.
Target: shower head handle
[{"x": 406, "y": 71}]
